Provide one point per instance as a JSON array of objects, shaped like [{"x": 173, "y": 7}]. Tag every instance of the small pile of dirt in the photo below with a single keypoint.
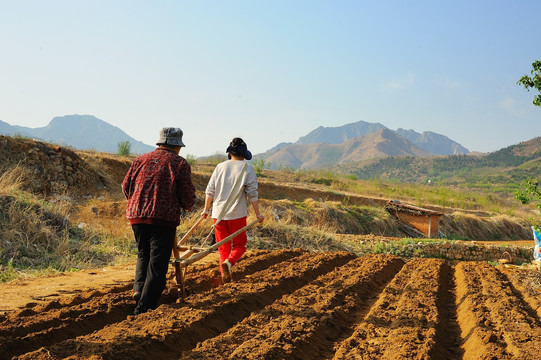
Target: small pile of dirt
[{"x": 48, "y": 169}]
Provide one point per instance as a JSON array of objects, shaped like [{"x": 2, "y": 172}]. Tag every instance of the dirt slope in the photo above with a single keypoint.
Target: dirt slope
[{"x": 292, "y": 304}]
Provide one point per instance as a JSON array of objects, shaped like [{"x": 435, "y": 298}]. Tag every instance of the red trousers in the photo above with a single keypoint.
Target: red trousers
[{"x": 233, "y": 249}]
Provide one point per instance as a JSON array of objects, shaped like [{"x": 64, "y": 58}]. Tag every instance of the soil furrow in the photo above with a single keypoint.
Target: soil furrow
[
  {"x": 21, "y": 335},
  {"x": 304, "y": 324},
  {"x": 81, "y": 324},
  {"x": 202, "y": 278},
  {"x": 402, "y": 323},
  {"x": 519, "y": 278},
  {"x": 522, "y": 298},
  {"x": 501, "y": 319},
  {"x": 479, "y": 338},
  {"x": 57, "y": 321},
  {"x": 448, "y": 340},
  {"x": 42, "y": 319},
  {"x": 292, "y": 304},
  {"x": 173, "y": 329}
]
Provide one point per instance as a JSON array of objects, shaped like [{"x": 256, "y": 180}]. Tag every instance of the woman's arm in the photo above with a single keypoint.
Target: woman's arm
[{"x": 255, "y": 205}]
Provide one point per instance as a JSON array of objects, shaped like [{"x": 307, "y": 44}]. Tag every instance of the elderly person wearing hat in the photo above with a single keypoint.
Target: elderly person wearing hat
[
  {"x": 157, "y": 186},
  {"x": 232, "y": 185}
]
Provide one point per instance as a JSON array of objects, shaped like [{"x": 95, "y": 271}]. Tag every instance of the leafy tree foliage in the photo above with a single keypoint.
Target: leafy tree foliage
[
  {"x": 259, "y": 165},
  {"x": 531, "y": 191},
  {"x": 191, "y": 159},
  {"x": 533, "y": 82}
]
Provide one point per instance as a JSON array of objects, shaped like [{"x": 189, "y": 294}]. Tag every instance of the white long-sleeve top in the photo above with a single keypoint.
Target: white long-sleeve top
[{"x": 221, "y": 184}]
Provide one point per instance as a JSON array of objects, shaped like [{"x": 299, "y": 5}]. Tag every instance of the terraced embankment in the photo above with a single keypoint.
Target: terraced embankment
[{"x": 292, "y": 304}]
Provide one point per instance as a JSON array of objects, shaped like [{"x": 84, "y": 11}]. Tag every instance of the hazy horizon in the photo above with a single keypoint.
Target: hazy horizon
[{"x": 272, "y": 71}]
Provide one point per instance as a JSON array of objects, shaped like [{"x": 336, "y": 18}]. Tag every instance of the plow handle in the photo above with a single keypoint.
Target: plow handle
[
  {"x": 204, "y": 253},
  {"x": 178, "y": 274},
  {"x": 192, "y": 229}
]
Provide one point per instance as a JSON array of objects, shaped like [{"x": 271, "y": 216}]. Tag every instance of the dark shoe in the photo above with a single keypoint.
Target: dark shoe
[
  {"x": 138, "y": 311},
  {"x": 136, "y": 296},
  {"x": 226, "y": 272}
]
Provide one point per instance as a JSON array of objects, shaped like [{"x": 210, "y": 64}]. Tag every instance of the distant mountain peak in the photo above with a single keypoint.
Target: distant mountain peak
[
  {"x": 433, "y": 142},
  {"x": 340, "y": 134},
  {"x": 382, "y": 143},
  {"x": 85, "y": 132},
  {"x": 429, "y": 141},
  {"x": 361, "y": 140}
]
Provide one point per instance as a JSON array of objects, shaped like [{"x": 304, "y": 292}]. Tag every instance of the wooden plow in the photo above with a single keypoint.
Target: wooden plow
[{"x": 184, "y": 256}]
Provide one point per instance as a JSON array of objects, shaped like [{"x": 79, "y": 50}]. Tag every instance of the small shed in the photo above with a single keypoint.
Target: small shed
[{"x": 424, "y": 220}]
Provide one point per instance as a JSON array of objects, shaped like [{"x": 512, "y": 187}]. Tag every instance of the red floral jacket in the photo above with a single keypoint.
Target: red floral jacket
[{"x": 157, "y": 185}]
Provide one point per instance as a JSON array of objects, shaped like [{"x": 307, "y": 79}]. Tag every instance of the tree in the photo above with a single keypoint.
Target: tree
[
  {"x": 533, "y": 82},
  {"x": 191, "y": 159},
  {"x": 124, "y": 148},
  {"x": 532, "y": 191},
  {"x": 530, "y": 194},
  {"x": 259, "y": 165}
]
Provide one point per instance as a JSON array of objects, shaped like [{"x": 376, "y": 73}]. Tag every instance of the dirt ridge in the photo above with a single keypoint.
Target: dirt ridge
[
  {"x": 295, "y": 304},
  {"x": 303, "y": 323},
  {"x": 495, "y": 321},
  {"x": 150, "y": 334}
]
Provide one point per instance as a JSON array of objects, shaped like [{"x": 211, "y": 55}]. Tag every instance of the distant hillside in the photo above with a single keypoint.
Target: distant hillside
[
  {"x": 7, "y": 129},
  {"x": 505, "y": 169},
  {"x": 273, "y": 150},
  {"x": 432, "y": 142},
  {"x": 329, "y": 146},
  {"x": 85, "y": 132},
  {"x": 312, "y": 156}
]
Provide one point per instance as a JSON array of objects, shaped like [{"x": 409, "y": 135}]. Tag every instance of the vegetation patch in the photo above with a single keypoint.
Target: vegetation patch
[
  {"x": 82, "y": 225},
  {"x": 37, "y": 237}
]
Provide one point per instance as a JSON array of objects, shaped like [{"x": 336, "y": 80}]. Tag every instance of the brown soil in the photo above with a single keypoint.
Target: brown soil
[
  {"x": 36, "y": 291},
  {"x": 286, "y": 304},
  {"x": 282, "y": 304}
]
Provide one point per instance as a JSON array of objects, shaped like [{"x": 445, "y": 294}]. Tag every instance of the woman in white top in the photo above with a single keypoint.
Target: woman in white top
[{"x": 231, "y": 187}]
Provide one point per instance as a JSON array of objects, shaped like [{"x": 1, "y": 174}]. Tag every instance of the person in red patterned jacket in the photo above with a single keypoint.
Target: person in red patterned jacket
[{"x": 157, "y": 186}]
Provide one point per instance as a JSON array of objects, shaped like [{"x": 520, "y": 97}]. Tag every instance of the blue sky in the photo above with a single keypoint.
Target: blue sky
[{"x": 272, "y": 71}]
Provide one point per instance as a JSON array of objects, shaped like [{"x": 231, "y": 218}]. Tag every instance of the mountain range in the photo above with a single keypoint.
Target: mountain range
[
  {"x": 322, "y": 147},
  {"x": 84, "y": 132},
  {"x": 359, "y": 141},
  {"x": 362, "y": 149},
  {"x": 430, "y": 141}
]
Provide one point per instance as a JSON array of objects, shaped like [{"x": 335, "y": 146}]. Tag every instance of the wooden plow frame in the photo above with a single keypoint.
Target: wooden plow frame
[{"x": 191, "y": 254}]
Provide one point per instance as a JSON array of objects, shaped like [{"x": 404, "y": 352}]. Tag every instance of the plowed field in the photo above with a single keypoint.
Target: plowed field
[{"x": 292, "y": 304}]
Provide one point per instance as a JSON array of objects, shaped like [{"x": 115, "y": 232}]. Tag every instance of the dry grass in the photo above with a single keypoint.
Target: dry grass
[
  {"x": 38, "y": 235},
  {"x": 310, "y": 224},
  {"x": 93, "y": 231},
  {"x": 13, "y": 178},
  {"x": 104, "y": 216},
  {"x": 417, "y": 194},
  {"x": 468, "y": 226}
]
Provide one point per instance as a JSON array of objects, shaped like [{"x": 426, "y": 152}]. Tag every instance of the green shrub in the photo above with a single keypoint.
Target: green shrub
[
  {"x": 191, "y": 159},
  {"x": 123, "y": 148},
  {"x": 259, "y": 165}
]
